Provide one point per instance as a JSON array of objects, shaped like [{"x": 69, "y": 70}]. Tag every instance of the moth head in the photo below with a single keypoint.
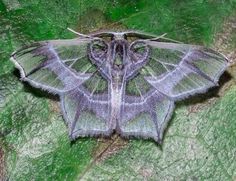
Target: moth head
[
  {"x": 118, "y": 52},
  {"x": 119, "y": 36}
]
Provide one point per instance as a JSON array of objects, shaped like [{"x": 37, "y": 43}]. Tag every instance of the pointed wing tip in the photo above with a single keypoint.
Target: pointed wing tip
[
  {"x": 159, "y": 139},
  {"x": 13, "y": 54},
  {"x": 18, "y": 66},
  {"x": 12, "y": 57},
  {"x": 72, "y": 136}
]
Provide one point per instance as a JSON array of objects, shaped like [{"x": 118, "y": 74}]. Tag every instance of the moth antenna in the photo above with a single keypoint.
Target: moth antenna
[
  {"x": 77, "y": 33},
  {"x": 176, "y": 41},
  {"x": 163, "y": 37}
]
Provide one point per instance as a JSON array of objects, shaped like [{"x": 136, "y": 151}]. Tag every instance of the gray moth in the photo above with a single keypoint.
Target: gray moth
[{"x": 125, "y": 82}]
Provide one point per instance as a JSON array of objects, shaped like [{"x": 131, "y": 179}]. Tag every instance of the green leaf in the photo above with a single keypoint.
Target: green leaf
[{"x": 197, "y": 145}]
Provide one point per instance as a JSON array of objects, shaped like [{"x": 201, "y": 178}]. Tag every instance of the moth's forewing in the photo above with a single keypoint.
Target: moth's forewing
[
  {"x": 189, "y": 69},
  {"x": 45, "y": 64}
]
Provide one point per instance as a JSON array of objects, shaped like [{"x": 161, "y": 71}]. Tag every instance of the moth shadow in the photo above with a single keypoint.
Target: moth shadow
[
  {"x": 209, "y": 94},
  {"x": 36, "y": 91}
]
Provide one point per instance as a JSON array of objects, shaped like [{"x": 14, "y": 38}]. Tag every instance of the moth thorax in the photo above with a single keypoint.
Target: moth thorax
[
  {"x": 117, "y": 74},
  {"x": 119, "y": 50}
]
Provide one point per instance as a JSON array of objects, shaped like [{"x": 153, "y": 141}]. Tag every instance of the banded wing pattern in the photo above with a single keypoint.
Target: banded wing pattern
[{"x": 125, "y": 81}]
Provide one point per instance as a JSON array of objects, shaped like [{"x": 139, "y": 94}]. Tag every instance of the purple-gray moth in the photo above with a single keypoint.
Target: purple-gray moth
[{"x": 125, "y": 82}]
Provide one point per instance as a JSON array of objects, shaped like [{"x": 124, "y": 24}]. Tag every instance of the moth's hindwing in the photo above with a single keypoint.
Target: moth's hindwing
[{"x": 87, "y": 108}]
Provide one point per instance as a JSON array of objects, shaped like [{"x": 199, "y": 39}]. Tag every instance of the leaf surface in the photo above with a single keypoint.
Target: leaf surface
[{"x": 199, "y": 144}]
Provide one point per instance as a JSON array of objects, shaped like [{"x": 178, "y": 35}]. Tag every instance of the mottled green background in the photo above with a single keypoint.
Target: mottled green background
[{"x": 200, "y": 142}]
